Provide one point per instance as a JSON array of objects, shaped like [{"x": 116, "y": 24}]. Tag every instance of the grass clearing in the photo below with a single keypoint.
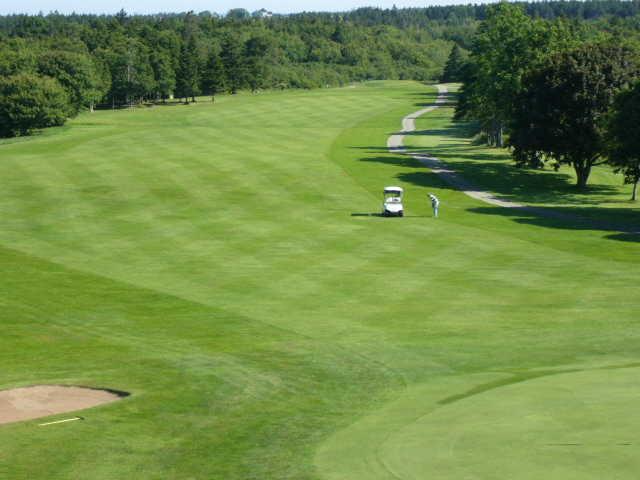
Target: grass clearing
[{"x": 213, "y": 260}]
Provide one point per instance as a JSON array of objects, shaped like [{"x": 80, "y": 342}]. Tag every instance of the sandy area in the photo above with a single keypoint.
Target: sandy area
[{"x": 43, "y": 400}]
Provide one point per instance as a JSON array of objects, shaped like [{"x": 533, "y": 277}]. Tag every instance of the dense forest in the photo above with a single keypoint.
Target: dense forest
[{"x": 53, "y": 66}]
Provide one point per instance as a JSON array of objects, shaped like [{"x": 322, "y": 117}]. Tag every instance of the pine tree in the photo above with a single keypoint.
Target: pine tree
[
  {"x": 255, "y": 50},
  {"x": 213, "y": 81},
  {"x": 234, "y": 64},
  {"x": 453, "y": 69},
  {"x": 187, "y": 78}
]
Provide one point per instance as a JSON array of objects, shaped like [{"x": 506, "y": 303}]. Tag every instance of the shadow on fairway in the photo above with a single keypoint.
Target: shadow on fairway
[
  {"x": 358, "y": 214},
  {"x": 399, "y": 160},
  {"x": 367, "y": 215},
  {"x": 493, "y": 170},
  {"x": 490, "y": 172},
  {"x": 625, "y": 237},
  {"x": 429, "y": 99},
  {"x": 625, "y": 223}
]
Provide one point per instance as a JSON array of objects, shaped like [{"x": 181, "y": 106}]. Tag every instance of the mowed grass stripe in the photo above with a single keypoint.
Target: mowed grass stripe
[
  {"x": 154, "y": 390},
  {"x": 218, "y": 273}
]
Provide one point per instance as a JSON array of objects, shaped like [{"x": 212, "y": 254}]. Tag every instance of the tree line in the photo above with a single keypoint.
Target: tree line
[
  {"x": 53, "y": 66},
  {"x": 555, "y": 91}
]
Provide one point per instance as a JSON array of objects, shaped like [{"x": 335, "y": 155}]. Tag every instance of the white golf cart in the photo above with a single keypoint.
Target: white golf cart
[{"x": 392, "y": 203}]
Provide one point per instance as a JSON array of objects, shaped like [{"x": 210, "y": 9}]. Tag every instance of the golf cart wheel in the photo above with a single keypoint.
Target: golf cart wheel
[{"x": 401, "y": 213}]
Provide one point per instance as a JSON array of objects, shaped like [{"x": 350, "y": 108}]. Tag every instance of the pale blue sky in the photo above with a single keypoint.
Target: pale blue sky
[{"x": 219, "y": 6}]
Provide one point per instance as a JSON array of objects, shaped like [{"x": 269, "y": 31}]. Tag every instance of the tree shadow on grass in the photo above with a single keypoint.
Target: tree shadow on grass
[
  {"x": 625, "y": 237},
  {"x": 441, "y": 132},
  {"x": 372, "y": 214},
  {"x": 494, "y": 172},
  {"x": 508, "y": 182},
  {"x": 624, "y": 222},
  {"x": 366, "y": 214},
  {"x": 398, "y": 160},
  {"x": 428, "y": 99},
  {"x": 505, "y": 181}
]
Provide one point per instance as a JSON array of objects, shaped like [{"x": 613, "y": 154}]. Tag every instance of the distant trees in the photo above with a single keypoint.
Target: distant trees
[
  {"x": 188, "y": 76},
  {"x": 127, "y": 59},
  {"x": 561, "y": 109},
  {"x": 140, "y": 58},
  {"x": 214, "y": 78},
  {"x": 624, "y": 137},
  {"x": 238, "y": 14},
  {"x": 233, "y": 63},
  {"x": 255, "y": 53},
  {"x": 132, "y": 77},
  {"x": 77, "y": 74},
  {"x": 164, "y": 74}
]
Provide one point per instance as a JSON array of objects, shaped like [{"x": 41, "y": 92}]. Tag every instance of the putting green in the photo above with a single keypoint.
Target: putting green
[{"x": 575, "y": 425}]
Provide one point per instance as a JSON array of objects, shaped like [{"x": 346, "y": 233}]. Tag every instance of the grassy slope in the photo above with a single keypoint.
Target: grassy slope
[
  {"x": 523, "y": 297},
  {"x": 218, "y": 273}
]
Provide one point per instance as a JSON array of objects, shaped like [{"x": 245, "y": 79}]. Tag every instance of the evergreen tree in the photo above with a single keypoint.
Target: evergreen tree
[
  {"x": 213, "y": 81},
  {"x": 234, "y": 64},
  {"x": 453, "y": 69},
  {"x": 255, "y": 50},
  {"x": 188, "y": 75}
]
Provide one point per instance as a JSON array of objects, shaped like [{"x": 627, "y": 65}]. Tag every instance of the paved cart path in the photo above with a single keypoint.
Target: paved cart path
[{"x": 395, "y": 144}]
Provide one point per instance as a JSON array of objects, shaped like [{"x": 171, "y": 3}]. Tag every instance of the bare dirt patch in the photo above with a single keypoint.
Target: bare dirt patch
[{"x": 38, "y": 401}]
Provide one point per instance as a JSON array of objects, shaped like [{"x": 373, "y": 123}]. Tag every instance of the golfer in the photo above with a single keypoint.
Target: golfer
[{"x": 435, "y": 203}]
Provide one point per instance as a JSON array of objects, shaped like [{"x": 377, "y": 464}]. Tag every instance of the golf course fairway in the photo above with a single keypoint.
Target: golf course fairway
[{"x": 226, "y": 266}]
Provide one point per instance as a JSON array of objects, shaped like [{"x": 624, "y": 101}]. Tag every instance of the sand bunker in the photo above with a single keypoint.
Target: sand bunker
[{"x": 43, "y": 400}]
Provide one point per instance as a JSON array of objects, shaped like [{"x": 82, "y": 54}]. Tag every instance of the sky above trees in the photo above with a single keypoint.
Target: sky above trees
[{"x": 219, "y": 6}]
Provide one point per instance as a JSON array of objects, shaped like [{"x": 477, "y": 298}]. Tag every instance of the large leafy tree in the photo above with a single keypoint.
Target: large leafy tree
[
  {"x": 77, "y": 73},
  {"x": 29, "y": 102},
  {"x": 624, "y": 137},
  {"x": 508, "y": 45},
  {"x": 561, "y": 111},
  {"x": 132, "y": 77},
  {"x": 17, "y": 55}
]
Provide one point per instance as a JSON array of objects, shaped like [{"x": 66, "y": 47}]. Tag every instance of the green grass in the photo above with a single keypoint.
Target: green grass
[{"x": 219, "y": 262}]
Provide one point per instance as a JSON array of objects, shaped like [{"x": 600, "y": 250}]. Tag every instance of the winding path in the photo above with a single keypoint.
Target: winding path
[{"x": 395, "y": 145}]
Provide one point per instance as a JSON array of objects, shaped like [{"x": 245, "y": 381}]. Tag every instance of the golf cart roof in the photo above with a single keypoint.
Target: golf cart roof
[{"x": 393, "y": 190}]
